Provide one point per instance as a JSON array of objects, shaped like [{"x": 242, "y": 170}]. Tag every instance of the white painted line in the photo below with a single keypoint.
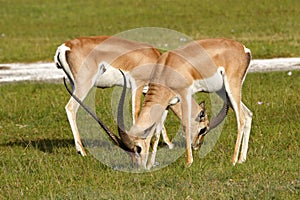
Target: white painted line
[
  {"x": 39, "y": 71},
  {"x": 276, "y": 64}
]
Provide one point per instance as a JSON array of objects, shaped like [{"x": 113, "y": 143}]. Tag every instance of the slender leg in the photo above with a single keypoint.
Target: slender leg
[
  {"x": 81, "y": 91},
  {"x": 240, "y": 122},
  {"x": 71, "y": 110},
  {"x": 186, "y": 97},
  {"x": 247, "y": 128},
  {"x": 161, "y": 128},
  {"x": 156, "y": 137},
  {"x": 151, "y": 160},
  {"x": 234, "y": 95},
  {"x": 166, "y": 138}
]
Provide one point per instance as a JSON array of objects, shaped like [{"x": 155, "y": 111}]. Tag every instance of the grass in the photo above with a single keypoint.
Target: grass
[
  {"x": 31, "y": 30},
  {"x": 39, "y": 161}
]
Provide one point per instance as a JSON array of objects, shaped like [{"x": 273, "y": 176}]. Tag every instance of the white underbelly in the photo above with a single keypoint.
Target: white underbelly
[
  {"x": 109, "y": 76},
  {"x": 210, "y": 84}
]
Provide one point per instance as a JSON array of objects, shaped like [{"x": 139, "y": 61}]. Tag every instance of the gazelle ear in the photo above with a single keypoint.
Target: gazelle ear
[
  {"x": 202, "y": 113},
  {"x": 202, "y": 104},
  {"x": 174, "y": 101},
  {"x": 147, "y": 131},
  {"x": 102, "y": 67}
]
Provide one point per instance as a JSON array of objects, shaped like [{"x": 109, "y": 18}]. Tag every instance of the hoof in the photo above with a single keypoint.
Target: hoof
[
  {"x": 242, "y": 160},
  {"x": 82, "y": 153},
  {"x": 171, "y": 146},
  {"x": 187, "y": 165},
  {"x": 80, "y": 150}
]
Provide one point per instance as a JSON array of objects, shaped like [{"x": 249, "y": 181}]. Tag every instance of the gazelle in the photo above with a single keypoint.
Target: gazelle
[
  {"x": 211, "y": 65},
  {"x": 95, "y": 61}
]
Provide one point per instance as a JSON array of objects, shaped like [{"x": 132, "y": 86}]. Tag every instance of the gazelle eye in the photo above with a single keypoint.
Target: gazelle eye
[
  {"x": 202, "y": 114},
  {"x": 137, "y": 149}
]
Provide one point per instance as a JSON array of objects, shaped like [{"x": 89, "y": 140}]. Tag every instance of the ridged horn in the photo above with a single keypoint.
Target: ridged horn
[
  {"x": 125, "y": 139},
  {"x": 219, "y": 117}
]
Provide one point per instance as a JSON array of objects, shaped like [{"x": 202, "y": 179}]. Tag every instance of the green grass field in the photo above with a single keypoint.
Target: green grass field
[
  {"x": 38, "y": 156},
  {"x": 39, "y": 160}
]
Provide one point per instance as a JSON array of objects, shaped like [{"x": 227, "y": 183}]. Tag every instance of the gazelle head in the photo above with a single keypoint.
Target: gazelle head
[
  {"x": 139, "y": 146},
  {"x": 202, "y": 124},
  {"x": 149, "y": 118}
]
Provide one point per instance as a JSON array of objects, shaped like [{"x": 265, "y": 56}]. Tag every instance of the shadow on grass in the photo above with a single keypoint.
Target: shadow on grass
[
  {"x": 44, "y": 145},
  {"x": 48, "y": 145}
]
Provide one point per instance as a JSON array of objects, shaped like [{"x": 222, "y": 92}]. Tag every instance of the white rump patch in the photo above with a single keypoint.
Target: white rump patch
[
  {"x": 247, "y": 50},
  {"x": 61, "y": 52}
]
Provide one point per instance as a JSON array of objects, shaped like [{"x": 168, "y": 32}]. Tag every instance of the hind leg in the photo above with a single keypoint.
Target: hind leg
[
  {"x": 240, "y": 122},
  {"x": 247, "y": 129},
  {"x": 234, "y": 95},
  {"x": 71, "y": 110},
  {"x": 81, "y": 91}
]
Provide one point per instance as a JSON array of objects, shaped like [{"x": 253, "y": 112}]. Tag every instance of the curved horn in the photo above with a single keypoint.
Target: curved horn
[
  {"x": 126, "y": 141},
  {"x": 220, "y": 117},
  {"x": 116, "y": 140}
]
